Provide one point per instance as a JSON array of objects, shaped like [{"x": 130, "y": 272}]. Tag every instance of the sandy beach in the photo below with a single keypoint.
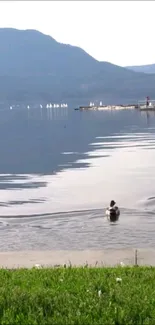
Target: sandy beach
[{"x": 28, "y": 259}]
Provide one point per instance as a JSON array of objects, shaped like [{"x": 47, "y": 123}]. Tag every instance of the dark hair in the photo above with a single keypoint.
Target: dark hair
[{"x": 112, "y": 203}]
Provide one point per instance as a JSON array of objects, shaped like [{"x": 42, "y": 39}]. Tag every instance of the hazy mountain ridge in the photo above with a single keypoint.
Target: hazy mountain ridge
[
  {"x": 149, "y": 68},
  {"x": 34, "y": 66}
]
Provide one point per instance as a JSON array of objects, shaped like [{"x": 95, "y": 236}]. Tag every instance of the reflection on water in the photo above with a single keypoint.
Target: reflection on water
[
  {"x": 56, "y": 160},
  {"x": 9, "y": 182}
]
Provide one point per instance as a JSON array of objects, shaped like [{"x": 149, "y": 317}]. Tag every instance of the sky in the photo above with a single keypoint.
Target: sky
[{"x": 120, "y": 32}]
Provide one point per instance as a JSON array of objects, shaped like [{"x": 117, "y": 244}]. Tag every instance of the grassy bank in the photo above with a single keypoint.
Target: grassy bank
[{"x": 107, "y": 296}]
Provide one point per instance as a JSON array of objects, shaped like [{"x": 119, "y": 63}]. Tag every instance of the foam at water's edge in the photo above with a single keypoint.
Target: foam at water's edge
[{"x": 71, "y": 212}]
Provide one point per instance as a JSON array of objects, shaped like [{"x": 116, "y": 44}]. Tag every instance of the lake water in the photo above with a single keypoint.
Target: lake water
[{"x": 59, "y": 168}]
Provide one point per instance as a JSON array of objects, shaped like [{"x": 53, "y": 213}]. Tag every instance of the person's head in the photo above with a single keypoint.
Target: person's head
[{"x": 112, "y": 203}]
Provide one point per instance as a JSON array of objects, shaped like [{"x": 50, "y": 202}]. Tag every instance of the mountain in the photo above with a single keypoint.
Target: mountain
[
  {"x": 149, "y": 68},
  {"x": 35, "y": 67}
]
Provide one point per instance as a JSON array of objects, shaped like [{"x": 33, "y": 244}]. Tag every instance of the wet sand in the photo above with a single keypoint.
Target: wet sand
[{"x": 108, "y": 257}]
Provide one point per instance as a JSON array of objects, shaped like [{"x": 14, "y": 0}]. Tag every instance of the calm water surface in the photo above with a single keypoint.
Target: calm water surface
[{"x": 59, "y": 168}]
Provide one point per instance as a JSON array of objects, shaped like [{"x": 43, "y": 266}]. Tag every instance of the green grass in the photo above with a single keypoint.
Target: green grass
[{"x": 71, "y": 296}]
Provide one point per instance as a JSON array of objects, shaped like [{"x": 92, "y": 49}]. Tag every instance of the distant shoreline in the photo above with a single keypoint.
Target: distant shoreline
[{"x": 54, "y": 258}]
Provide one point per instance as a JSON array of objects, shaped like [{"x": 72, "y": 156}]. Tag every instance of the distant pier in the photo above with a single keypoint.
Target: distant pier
[
  {"x": 106, "y": 107},
  {"x": 142, "y": 105}
]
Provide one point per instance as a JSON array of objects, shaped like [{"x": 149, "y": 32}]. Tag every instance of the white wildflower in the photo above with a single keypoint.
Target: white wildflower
[
  {"x": 122, "y": 264},
  {"x": 118, "y": 279},
  {"x": 99, "y": 293},
  {"x": 37, "y": 266}
]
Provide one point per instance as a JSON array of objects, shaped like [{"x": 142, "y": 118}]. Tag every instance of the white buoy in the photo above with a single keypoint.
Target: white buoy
[
  {"x": 28, "y": 107},
  {"x": 10, "y": 107}
]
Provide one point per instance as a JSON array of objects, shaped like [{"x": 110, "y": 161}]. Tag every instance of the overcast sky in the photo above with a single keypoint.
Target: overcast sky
[{"x": 120, "y": 32}]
